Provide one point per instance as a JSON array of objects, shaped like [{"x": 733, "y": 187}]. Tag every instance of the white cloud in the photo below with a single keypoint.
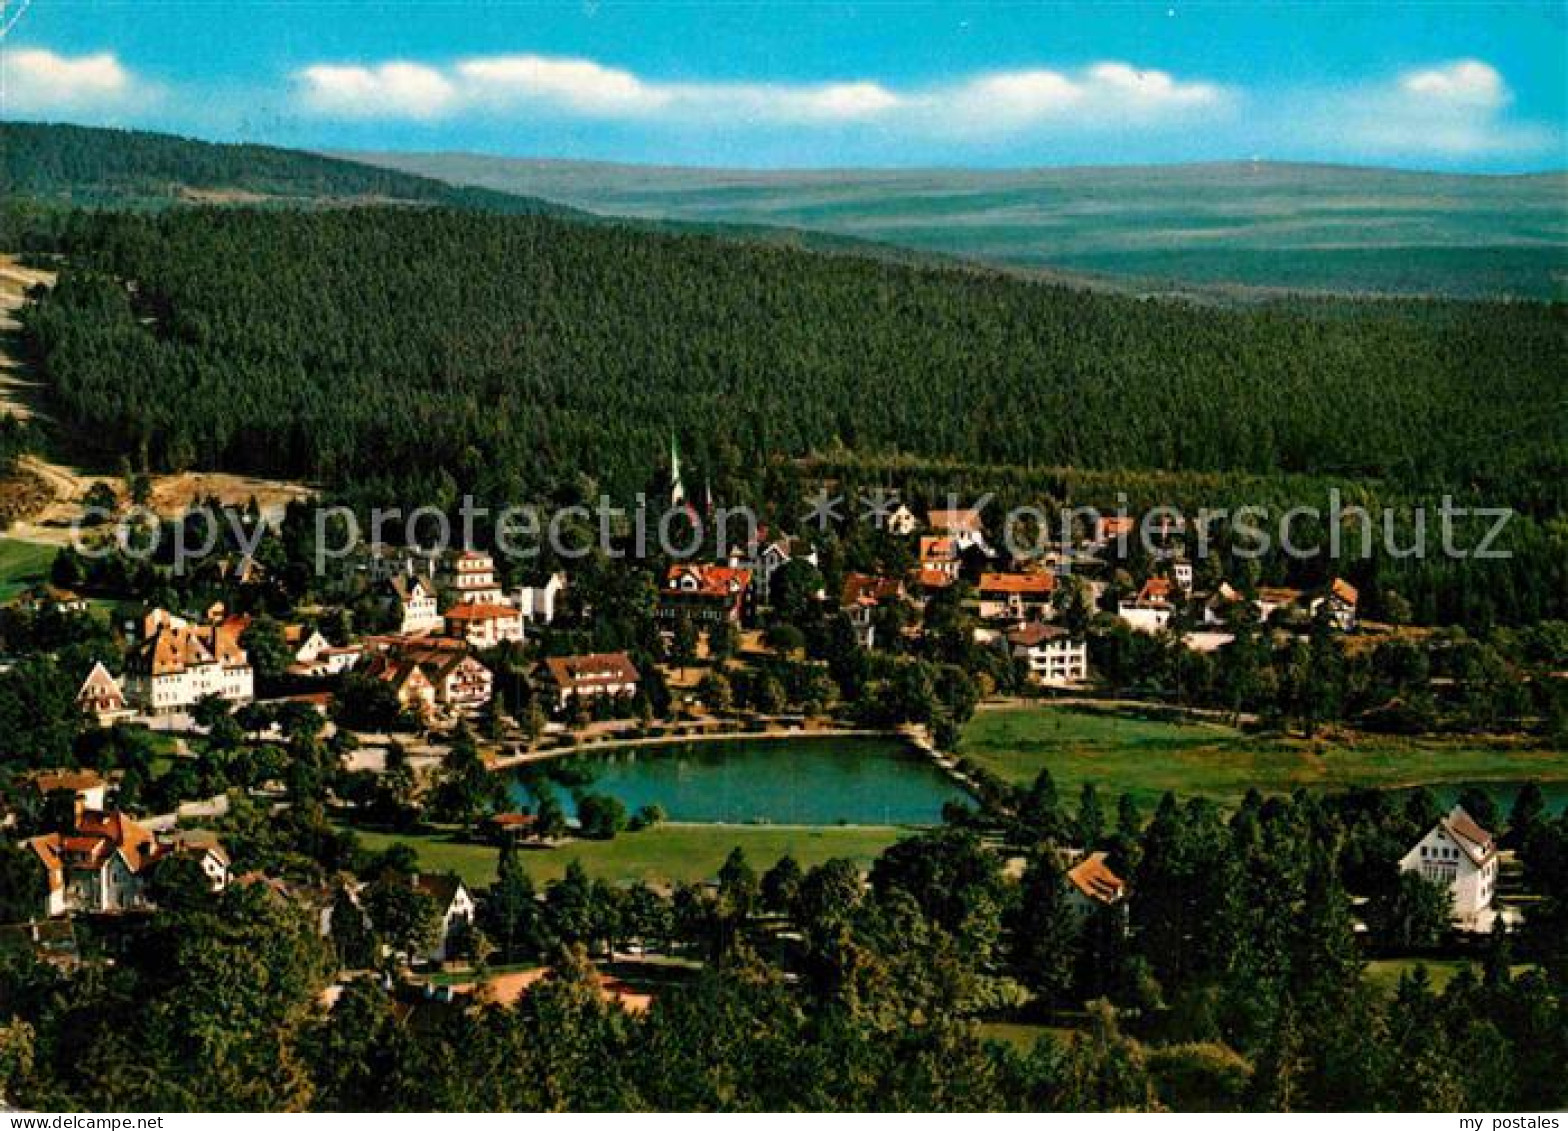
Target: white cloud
[
  {"x": 1469, "y": 82},
  {"x": 1104, "y": 94},
  {"x": 998, "y": 102},
  {"x": 395, "y": 89},
  {"x": 1452, "y": 110},
  {"x": 39, "y": 81},
  {"x": 580, "y": 85}
]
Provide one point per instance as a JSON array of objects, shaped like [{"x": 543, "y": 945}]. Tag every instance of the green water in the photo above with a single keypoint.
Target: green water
[{"x": 792, "y": 781}]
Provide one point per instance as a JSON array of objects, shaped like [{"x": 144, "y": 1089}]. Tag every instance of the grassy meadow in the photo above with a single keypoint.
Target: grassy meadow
[
  {"x": 1147, "y": 758},
  {"x": 671, "y": 853}
]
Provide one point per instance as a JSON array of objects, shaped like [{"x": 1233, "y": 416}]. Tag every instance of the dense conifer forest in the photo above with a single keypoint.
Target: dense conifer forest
[
  {"x": 512, "y": 353},
  {"x": 83, "y": 165}
]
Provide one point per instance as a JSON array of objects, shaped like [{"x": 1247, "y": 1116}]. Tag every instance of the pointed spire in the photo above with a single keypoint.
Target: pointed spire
[{"x": 677, "y": 488}]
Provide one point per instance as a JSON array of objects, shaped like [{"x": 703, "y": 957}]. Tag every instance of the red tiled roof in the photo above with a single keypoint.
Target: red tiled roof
[
  {"x": 710, "y": 580},
  {"x": 1022, "y": 584}
]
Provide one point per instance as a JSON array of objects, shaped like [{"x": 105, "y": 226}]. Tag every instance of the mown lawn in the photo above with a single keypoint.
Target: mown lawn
[
  {"x": 1148, "y": 758},
  {"x": 23, "y": 565},
  {"x": 671, "y": 853}
]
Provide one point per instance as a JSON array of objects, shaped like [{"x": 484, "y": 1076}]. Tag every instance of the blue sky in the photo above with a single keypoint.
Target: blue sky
[{"x": 1476, "y": 87}]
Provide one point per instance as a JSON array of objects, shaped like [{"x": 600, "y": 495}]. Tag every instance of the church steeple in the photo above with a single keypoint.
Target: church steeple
[{"x": 677, "y": 488}]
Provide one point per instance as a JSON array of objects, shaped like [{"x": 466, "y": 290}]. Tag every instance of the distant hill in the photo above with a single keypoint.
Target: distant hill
[
  {"x": 1250, "y": 224},
  {"x": 130, "y": 168}
]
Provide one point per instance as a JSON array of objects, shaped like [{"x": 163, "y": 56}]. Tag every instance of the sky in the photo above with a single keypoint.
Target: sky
[{"x": 1472, "y": 87}]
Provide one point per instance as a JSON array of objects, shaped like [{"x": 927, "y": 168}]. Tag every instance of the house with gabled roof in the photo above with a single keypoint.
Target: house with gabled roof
[
  {"x": 862, "y": 595},
  {"x": 1341, "y": 599},
  {"x": 1458, "y": 854},
  {"x": 455, "y": 905},
  {"x": 705, "y": 593},
  {"x": 1153, "y": 607},
  {"x": 484, "y": 624},
  {"x": 413, "y": 600},
  {"x": 566, "y": 678},
  {"x": 415, "y": 693},
  {"x": 1092, "y": 885},
  {"x": 537, "y": 603},
  {"x": 962, "y": 524},
  {"x": 765, "y": 556},
  {"x": 1051, "y": 654},
  {"x": 96, "y": 866},
  {"x": 1015, "y": 596},
  {"x": 102, "y": 699},
  {"x": 902, "y": 521}
]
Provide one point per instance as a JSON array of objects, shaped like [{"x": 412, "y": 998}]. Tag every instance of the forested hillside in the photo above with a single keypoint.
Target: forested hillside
[
  {"x": 82, "y": 165},
  {"x": 516, "y": 353}
]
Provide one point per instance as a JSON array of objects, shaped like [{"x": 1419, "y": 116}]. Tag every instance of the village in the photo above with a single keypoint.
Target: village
[{"x": 463, "y": 668}]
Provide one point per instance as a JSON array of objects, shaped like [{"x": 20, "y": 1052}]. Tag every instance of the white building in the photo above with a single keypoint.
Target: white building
[
  {"x": 764, "y": 559},
  {"x": 484, "y": 625},
  {"x": 415, "y": 601},
  {"x": 456, "y": 906},
  {"x": 902, "y": 521},
  {"x": 537, "y": 603},
  {"x": 177, "y": 664},
  {"x": 1152, "y": 609},
  {"x": 469, "y": 575},
  {"x": 1461, "y": 856},
  {"x": 1053, "y": 657}
]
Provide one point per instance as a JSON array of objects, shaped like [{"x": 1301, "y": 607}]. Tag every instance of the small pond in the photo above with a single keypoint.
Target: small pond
[{"x": 789, "y": 781}]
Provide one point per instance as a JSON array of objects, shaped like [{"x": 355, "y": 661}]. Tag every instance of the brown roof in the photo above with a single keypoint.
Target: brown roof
[
  {"x": 481, "y": 611},
  {"x": 510, "y": 820},
  {"x": 1468, "y": 835},
  {"x": 1279, "y": 595},
  {"x": 597, "y": 669},
  {"x": 1345, "y": 591},
  {"x": 170, "y": 648},
  {"x": 966, "y": 520},
  {"x": 866, "y": 588},
  {"x": 1021, "y": 584},
  {"x": 1155, "y": 591},
  {"x": 96, "y": 836},
  {"x": 442, "y": 887},
  {"x": 1033, "y": 634},
  {"x": 48, "y": 781},
  {"x": 1094, "y": 878}
]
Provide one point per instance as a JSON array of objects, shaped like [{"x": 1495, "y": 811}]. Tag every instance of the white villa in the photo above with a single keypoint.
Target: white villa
[
  {"x": 1462, "y": 856},
  {"x": 1053, "y": 657},
  {"x": 177, "y": 664}
]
